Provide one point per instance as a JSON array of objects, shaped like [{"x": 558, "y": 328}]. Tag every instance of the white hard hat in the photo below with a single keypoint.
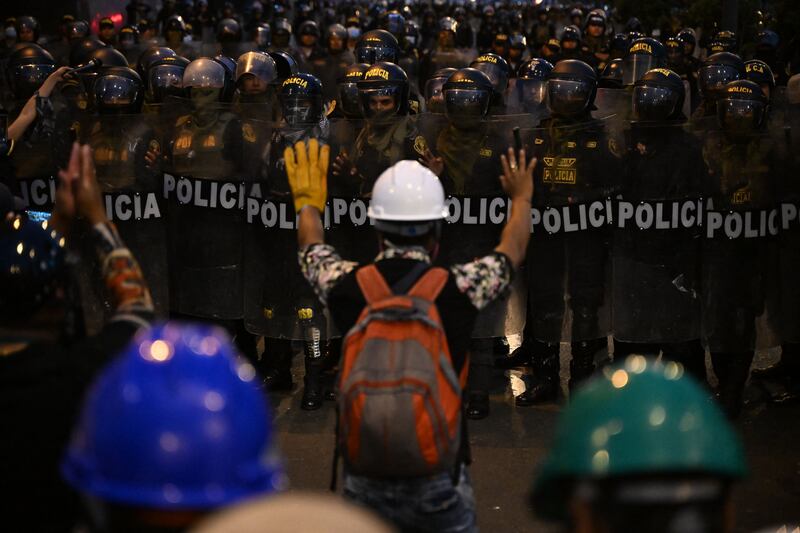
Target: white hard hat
[{"x": 407, "y": 192}]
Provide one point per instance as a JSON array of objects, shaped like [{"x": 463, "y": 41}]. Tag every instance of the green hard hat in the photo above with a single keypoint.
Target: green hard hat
[{"x": 640, "y": 417}]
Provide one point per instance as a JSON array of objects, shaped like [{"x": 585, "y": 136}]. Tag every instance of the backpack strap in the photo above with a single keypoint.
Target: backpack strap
[
  {"x": 372, "y": 284},
  {"x": 430, "y": 284}
]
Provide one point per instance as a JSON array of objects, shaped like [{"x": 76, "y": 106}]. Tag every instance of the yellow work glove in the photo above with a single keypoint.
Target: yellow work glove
[{"x": 307, "y": 169}]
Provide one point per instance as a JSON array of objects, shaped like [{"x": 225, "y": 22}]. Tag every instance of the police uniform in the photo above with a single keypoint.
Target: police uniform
[{"x": 375, "y": 149}]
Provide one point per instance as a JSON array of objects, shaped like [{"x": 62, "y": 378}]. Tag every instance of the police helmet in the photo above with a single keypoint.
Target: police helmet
[
  {"x": 496, "y": 68},
  {"x": 377, "y": 46},
  {"x": 176, "y": 398},
  {"x": 257, "y": 64},
  {"x": 301, "y": 99},
  {"x": 767, "y": 40},
  {"x": 571, "y": 33},
  {"x": 517, "y": 41},
  {"x": 394, "y": 23},
  {"x": 434, "y": 97},
  {"x": 262, "y": 35},
  {"x": 285, "y": 65},
  {"x": 598, "y": 454},
  {"x": 77, "y": 30},
  {"x": 759, "y": 72},
  {"x": 109, "y": 57},
  {"x": 230, "y": 71},
  {"x": 28, "y": 67},
  {"x": 643, "y": 55},
  {"x": 165, "y": 78},
  {"x": 618, "y": 46},
  {"x": 658, "y": 96},
  {"x": 742, "y": 108},
  {"x": 595, "y": 18},
  {"x": 29, "y": 24},
  {"x": 448, "y": 24},
  {"x": 32, "y": 255},
  {"x": 339, "y": 32},
  {"x": 674, "y": 50},
  {"x": 724, "y": 41},
  {"x": 383, "y": 79},
  {"x": 150, "y": 56},
  {"x": 229, "y": 31},
  {"x": 531, "y": 86},
  {"x": 689, "y": 40},
  {"x": 348, "y": 90},
  {"x": 281, "y": 32},
  {"x": 571, "y": 88},
  {"x": 308, "y": 27},
  {"x": 611, "y": 77},
  {"x": 467, "y": 96},
  {"x": 205, "y": 75},
  {"x": 412, "y": 34},
  {"x": 175, "y": 24},
  {"x": 118, "y": 90},
  {"x": 717, "y": 71},
  {"x": 128, "y": 37},
  {"x": 81, "y": 50}
]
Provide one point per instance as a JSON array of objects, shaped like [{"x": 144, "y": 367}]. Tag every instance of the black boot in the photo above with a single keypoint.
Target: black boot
[
  {"x": 582, "y": 366},
  {"x": 521, "y": 356},
  {"x": 732, "y": 370},
  {"x": 500, "y": 347},
  {"x": 312, "y": 384},
  {"x": 544, "y": 384},
  {"x": 276, "y": 365}
]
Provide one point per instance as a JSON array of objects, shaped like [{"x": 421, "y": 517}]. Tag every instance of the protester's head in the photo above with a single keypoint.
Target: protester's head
[
  {"x": 641, "y": 448},
  {"x": 173, "y": 429},
  {"x": 408, "y": 206}
]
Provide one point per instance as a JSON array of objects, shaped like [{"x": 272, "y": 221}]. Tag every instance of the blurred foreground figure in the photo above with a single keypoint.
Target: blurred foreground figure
[{"x": 641, "y": 448}]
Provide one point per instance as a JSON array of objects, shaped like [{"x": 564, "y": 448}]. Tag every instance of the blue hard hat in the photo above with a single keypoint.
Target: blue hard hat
[{"x": 175, "y": 422}]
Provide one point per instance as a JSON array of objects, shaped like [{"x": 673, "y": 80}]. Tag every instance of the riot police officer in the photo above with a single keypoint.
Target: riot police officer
[
  {"x": 330, "y": 64},
  {"x": 308, "y": 52},
  {"x": 542, "y": 30},
  {"x": 434, "y": 97},
  {"x": 580, "y": 165},
  {"x": 497, "y": 70},
  {"x": 445, "y": 54},
  {"x": 229, "y": 37},
  {"x": 643, "y": 55},
  {"x": 128, "y": 44},
  {"x": 517, "y": 47},
  {"x": 261, "y": 37},
  {"x": 595, "y": 39},
  {"x": 656, "y": 274},
  {"x": 255, "y": 74},
  {"x": 572, "y": 47},
  {"x": 715, "y": 73},
  {"x": 376, "y": 46},
  {"x": 530, "y": 89},
  {"x": 174, "y": 33},
  {"x": 164, "y": 79}
]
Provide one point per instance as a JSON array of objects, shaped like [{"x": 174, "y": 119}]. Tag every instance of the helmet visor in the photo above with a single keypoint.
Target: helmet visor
[
  {"x": 259, "y": 65},
  {"x": 208, "y": 76},
  {"x": 434, "y": 99},
  {"x": 531, "y": 93},
  {"x": 495, "y": 73},
  {"x": 165, "y": 80},
  {"x": 116, "y": 92},
  {"x": 28, "y": 78},
  {"x": 714, "y": 77},
  {"x": 740, "y": 117},
  {"x": 636, "y": 65},
  {"x": 380, "y": 103},
  {"x": 654, "y": 103},
  {"x": 348, "y": 95},
  {"x": 466, "y": 106},
  {"x": 568, "y": 97},
  {"x": 301, "y": 110},
  {"x": 374, "y": 54}
]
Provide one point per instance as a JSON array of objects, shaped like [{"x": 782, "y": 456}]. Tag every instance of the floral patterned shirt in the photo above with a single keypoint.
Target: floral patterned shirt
[{"x": 482, "y": 280}]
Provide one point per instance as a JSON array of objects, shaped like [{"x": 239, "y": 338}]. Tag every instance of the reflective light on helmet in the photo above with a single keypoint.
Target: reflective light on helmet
[
  {"x": 654, "y": 103},
  {"x": 714, "y": 77},
  {"x": 348, "y": 95},
  {"x": 465, "y": 106},
  {"x": 568, "y": 97},
  {"x": 531, "y": 93},
  {"x": 636, "y": 65},
  {"x": 740, "y": 116}
]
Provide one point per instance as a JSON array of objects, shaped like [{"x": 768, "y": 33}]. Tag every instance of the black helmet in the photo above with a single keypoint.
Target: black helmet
[
  {"x": 724, "y": 41},
  {"x": 205, "y": 77},
  {"x": 633, "y": 25},
  {"x": 308, "y": 27},
  {"x": 643, "y": 55},
  {"x": 618, "y": 46},
  {"x": 434, "y": 97},
  {"x": 27, "y": 23},
  {"x": 150, "y": 56},
  {"x": 611, "y": 77},
  {"x": 448, "y": 24},
  {"x": 109, "y": 57},
  {"x": 32, "y": 255},
  {"x": 741, "y": 108},
  {"x": 674, "y": 50},
  {"x": 767, "y": 40},
  {"x": 517, "y": 41},
  {"x": 77, "y": 30},
  {"x": 338, "y": 31},
  {"x": 496, "y": 68},
  {"x": 595, "y": 17},
  {"x": 348, "y": 90},
  {"x": 165, "y": 78},
  {"x": 658, "y": 96},
  {"x": 301, "y": 100},
  {"x": 118, "y": 90},
  {"x": 467, "y": 96},
  {"x": 128, "y": 37},
  {"x": 412, "y": 34},
  {"x": 230, "y": 71},
  {"x": 262, "y": 35},
  {"x": 571, "y": 33},
  {"x": 258, "y": 64},
  {"x": 383, "y": 79},
  {"x": 394, "y": 23},
  {"x": 285, "y": 65},
  {"x": 687, "y": 37},
  {"x": 377, "y": 46},
  {"x": 28, "y": 67},
  {"x": 571, "y": 88},
  {"x": 717, "y": 71},
  {"x": 81, "y": 51},
  {"x": 176, "y": 24},
  {"x": 759, "y": 72},
  {"x": 531, "y": 87},
  {"x": 229, "y": 31},
  {"x": 281, "y": 32}
]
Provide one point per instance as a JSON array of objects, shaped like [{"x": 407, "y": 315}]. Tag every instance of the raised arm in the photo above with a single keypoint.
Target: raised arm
[
  {"x": 307, "y": 170},
  {"x": 517, "y": 180}
]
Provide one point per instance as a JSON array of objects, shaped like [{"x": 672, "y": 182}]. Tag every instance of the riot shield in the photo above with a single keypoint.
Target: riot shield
[
  {"x": 127, "y": 156},
  {"x": 204, "y": 199},
  {"x": 278, "y": 301},
  {"x": 568, "y": 273},
  {"x": 612, "y": 103},
  {"x": 740, "y": 229},
  {"x": 657, "y": 236}
]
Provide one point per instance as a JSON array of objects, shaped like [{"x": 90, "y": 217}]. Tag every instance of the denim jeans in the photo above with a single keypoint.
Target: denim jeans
[{"x": 431, "y": 504}]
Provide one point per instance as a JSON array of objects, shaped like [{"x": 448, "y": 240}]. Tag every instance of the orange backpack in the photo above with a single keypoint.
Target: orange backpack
[{"x": 399, "y": 400}]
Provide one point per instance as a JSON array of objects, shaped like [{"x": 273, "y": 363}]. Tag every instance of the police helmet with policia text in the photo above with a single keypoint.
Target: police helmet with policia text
[
  {"x": 301, "y": 99},
  {"x": 348, "y": 90},
  {"x": 658, "y": 97},
  {"x": 571, "y": 88},
  {"x": 643, "y": 55},
  {"x": 742, "y": 108},
  {"x": 496, "y": 68},
  {"x": 384, "y": 79},
  {"x": 717, "y": 71}
]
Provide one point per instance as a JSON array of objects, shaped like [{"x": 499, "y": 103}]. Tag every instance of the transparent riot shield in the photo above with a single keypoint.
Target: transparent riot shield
[
  {"x": 612, "y": 103},
  {"x": 578, "y": 172},
  {"x": 127, "y": 156},
  {"x": 204, "y": 195},
  {"x": 741, "y": 226},
  {"x": 657, "y": 237}
]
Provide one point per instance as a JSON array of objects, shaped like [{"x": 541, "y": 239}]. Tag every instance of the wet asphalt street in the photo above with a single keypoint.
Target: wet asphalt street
[{"x": 508, "y": 445}]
